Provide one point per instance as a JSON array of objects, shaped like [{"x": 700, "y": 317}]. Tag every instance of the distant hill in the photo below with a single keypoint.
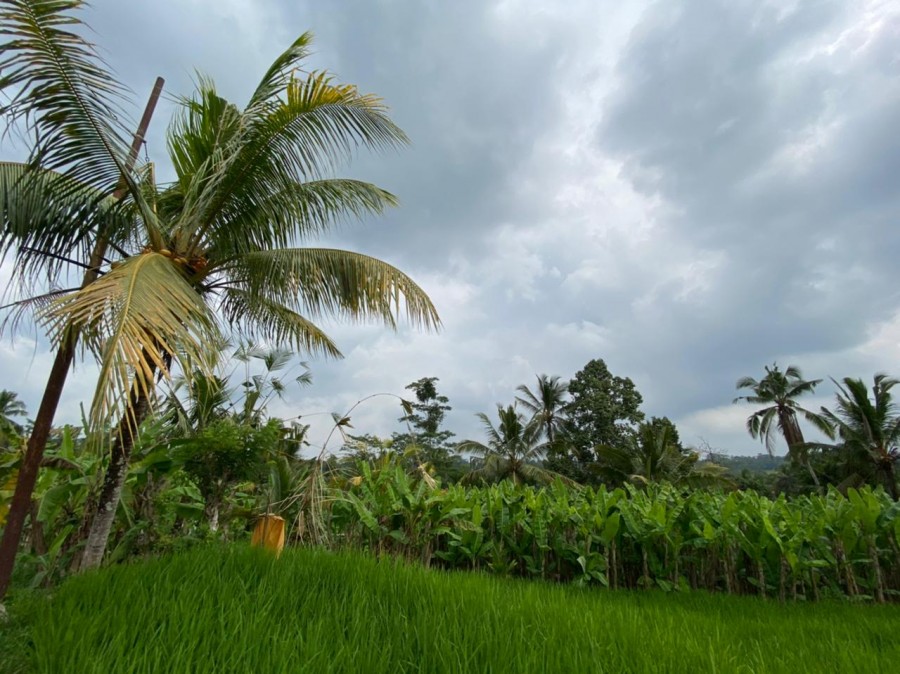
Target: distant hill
[{"x": 761, "y": 463}]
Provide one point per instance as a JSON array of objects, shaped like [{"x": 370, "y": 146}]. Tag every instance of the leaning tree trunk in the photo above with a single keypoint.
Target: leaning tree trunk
[
  {"x": 59, "y": 372},
  {"x": 34, "y": 452},
  {"x": 890, "y": 477},
  {"x": 794, "y": 437},
  {"x": 126, "y": 434}
]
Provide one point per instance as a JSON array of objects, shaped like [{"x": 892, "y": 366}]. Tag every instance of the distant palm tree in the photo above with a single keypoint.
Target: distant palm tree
[
  {"x": 511, "y": 451},
  {"x": 778, "y": 391},
  {"x": 10, "y": 406},
  {"x": 869, "y": 429},
  {"x": 546, "y": 403},
  {"x": 653, "y": 456}
]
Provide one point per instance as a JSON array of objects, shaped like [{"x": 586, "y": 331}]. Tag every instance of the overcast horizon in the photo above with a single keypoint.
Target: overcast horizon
[{"x": 689, "y": 192}]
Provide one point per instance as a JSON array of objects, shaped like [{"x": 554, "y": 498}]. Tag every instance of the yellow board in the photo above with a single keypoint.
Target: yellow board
[{"x": 269, "y": 533}]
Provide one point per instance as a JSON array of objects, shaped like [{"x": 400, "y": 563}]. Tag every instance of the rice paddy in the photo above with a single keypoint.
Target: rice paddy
[{"x": 239, "y": 610}]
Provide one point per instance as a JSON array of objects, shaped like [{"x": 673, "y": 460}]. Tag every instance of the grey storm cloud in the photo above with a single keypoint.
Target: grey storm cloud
[
  {"x": 688, "y": 190},
  {"x": 775, "y": 150}
]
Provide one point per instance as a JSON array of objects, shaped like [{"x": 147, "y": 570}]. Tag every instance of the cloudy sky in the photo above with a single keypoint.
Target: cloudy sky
[{"x": 687, "y": 190}]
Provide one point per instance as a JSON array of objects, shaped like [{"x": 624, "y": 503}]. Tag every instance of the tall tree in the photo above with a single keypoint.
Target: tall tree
[
  {"x": 868, "y": 429},
  {"x": 427, "y": 413},
  {"x": 212, "y": 252},
  {"x": 512, "y": 451},
  {"x": 250, "y": 183},
  {"x": 778, "y": 391},
  {"x": 425, "y": 418},
  {"x": 547, "y": 402},
  {"x": 604, "y": 410}
]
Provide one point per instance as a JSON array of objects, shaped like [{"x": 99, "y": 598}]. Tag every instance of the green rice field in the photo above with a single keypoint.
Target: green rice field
[{"x": 240, "y": 610}]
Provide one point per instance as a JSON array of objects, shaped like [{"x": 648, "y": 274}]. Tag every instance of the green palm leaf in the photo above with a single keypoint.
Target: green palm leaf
[
  {"x": 299, "y": 210},
  {"x": 329, "y": 282},
  {"x": 49, "y": 222},
  {"x": 63, "y": 94},
  {"x": 303, "y": 133},
  {"x": 257, "y": 317}
]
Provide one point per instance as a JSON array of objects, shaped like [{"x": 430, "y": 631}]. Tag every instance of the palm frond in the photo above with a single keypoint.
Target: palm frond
[
  {"x": 328, "y": 282},
  {"x": 255, "y": 317},
  {"x": 819, "y": 422},
  {"x": 20, "y": 310},
  {"x": 280, "y": 72},
  {"x": 63, "y": 94},
  {"x": 537, "y": 475},
  {"x": 473, "y": 447},
  {"x": 308, "y": 129},
  {"x": 296, "y": 211},
  {"x": 135, "y": 318},
  {"x": 49, "y": 223},
  {"x": 746, "y": 382}
]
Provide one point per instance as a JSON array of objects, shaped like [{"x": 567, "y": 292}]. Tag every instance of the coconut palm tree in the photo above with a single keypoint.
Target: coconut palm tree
[
  {"x": 10, "y": 407},
  {"x": 217, "y": 250},
  {"x": 653, "y": 456},
  {"x": 546, "y": 402},
  {"x": 778, "y": 391},
  {"x": 60, "y": 211},
  {"x": 868, "y": 429},
  {"x": 512, "y": 450}
]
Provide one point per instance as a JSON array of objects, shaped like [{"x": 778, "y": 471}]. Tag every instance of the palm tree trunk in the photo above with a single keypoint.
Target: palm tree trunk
[
  {"x": 127, "y": 431},
  {"x": 812, "y": 474},
  {"x": 793, "y": 435},
  {"x": 887, "y": 468},
  {"x": 212, "y": 515},
  {"x": 59, "y": 372},
  {"x": 34, "y": 452}
]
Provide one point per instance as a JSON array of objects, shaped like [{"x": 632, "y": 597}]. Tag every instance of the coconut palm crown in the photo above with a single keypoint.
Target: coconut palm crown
[
  {"x": 868, "y": 429},
  {"x": 512, "y": 450},
  {"x": 171, "y": 269},
  {"x": 778, "y": 391},
  {"x": 219, "y": 250},
  {"x": 547, "y": 402}
]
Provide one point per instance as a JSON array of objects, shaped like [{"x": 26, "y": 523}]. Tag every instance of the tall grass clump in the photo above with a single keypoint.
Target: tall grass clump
[{"x": 240, "y": 610}]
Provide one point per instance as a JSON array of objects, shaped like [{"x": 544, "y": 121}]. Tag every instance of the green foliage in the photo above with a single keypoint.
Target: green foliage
[
  {"x": 547, "y": 403},
  {"x": 779, "y": 390},
  {"x": 603, "y": 410},
  {"x": 430, "y": 441},
  {"x": 653, "y": 454},
  {"x": 10, "y": 429},
  {"x": 238, "y": 610},
  {"x": 512, "y": 452},
  {"x": 663, "y": 425},
  {"x": 660, "y": 536},
  {"x": 11, "y": 444},
  {"x": 869, "y": 431},
  {"x": 227, "y": 453}
]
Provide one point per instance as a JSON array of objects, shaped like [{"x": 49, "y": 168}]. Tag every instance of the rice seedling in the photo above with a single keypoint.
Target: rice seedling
[{"x": 241, "y": 610}]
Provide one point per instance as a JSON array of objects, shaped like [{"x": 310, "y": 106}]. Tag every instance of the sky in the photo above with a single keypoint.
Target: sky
[{"x": 689, "y": 191}]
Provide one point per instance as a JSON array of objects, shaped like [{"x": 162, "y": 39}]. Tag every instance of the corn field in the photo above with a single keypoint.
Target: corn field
[{"x": 662, "y": 537}]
